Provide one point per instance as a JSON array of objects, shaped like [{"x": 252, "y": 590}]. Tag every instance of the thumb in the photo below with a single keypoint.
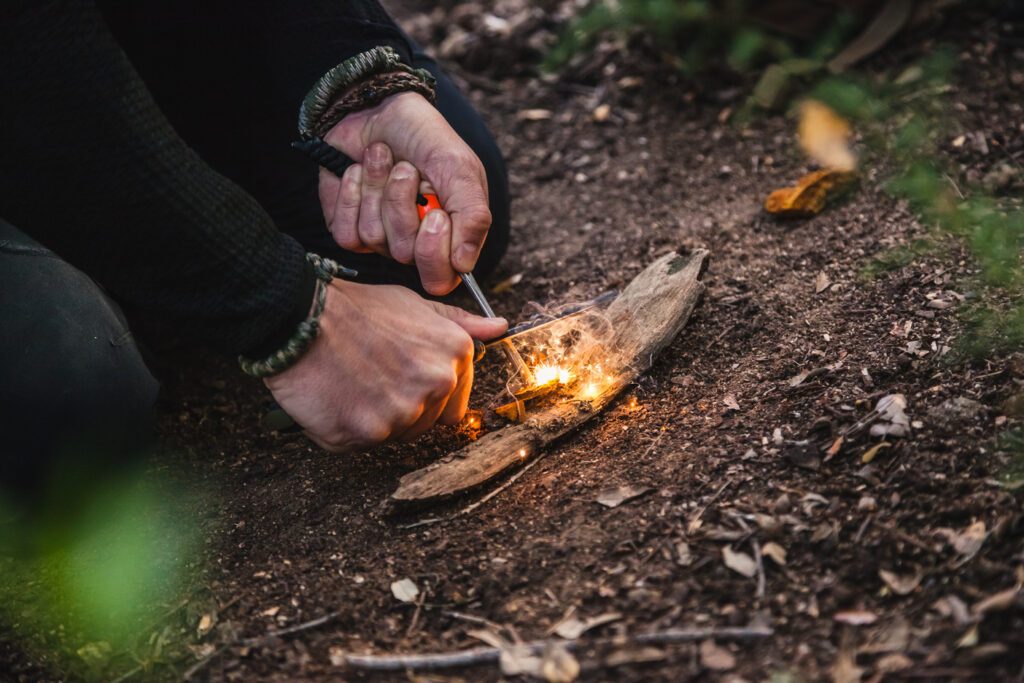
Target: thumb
[{"x": 478, "y": 327}]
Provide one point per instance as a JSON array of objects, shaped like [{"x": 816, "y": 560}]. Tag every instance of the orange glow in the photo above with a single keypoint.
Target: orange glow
[
  {"x": 522, "y": 452},
  {"x": 547, "y": 373}
]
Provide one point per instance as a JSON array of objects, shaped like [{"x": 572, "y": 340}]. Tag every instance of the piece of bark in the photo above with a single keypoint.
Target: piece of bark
[{"x": 644, "y": 319}]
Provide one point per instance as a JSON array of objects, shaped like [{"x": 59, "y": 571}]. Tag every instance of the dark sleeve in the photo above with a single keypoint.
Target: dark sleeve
[{"x": 91, "y": 168}]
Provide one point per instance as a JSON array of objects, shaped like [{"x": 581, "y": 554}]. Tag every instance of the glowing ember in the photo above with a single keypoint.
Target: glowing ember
[
  {"x": 590, "y": 390},
  {"x": 546, "y": 374},
  {"x": 522, "y": 452}
]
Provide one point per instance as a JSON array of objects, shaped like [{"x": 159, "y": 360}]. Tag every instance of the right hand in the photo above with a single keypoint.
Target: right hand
[{"x": 386, "y": 364}]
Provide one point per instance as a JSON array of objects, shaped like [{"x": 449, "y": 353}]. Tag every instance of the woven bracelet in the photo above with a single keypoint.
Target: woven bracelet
[
  {"x": 293, "y": 349},
  {"x": 359, "y": 83}
]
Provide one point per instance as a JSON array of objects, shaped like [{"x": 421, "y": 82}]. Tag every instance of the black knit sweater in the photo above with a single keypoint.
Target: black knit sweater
[{"x": 91, "y": 168}]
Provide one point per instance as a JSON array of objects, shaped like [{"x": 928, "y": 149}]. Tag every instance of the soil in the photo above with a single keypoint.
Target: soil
[{"x": 735, "y": 450}]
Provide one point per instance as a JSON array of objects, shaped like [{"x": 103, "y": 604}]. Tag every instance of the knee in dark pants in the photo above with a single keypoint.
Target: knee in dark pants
[{"x": 75, "y": 395}]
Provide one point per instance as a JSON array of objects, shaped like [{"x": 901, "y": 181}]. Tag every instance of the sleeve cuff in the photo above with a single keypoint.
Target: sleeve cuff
[{"x": 302, "y": 301}]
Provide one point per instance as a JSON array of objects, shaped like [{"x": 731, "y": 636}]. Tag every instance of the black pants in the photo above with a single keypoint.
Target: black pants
[{"x": 72, "y": 382}]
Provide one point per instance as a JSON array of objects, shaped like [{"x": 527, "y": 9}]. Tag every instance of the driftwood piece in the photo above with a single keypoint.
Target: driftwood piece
[{"x": 644, "y": 319}]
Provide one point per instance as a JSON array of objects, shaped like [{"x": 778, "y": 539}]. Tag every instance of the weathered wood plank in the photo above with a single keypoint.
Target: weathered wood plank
[{"x": 645, "y": 319}]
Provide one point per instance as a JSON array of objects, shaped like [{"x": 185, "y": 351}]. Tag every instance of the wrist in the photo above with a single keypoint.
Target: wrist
[
  {"x": 306, "y": 332},
  {"x": 357, "y": 84}
]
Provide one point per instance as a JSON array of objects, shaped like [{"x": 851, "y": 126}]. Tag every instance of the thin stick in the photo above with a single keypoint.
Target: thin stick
[
  {"x": 291, "y": 630},
  {"x": 474, "y": 505},
  {"x": 760, "y": 569},
  {"x": 416, "y": 615},
  {"x": 487, "y": 655},
  {"x": 258, "y": 641}
]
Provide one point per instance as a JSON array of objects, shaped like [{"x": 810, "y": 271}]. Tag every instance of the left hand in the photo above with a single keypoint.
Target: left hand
[{"x": 400, "y": 143}]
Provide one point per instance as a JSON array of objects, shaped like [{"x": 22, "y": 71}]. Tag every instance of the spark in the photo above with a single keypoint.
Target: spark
[
  {"x": 522, "y": 452},
  {"x": 590, "y": 390},
  {"x": 547, "y": 373}
]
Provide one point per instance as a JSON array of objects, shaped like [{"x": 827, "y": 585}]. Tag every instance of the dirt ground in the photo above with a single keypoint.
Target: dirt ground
[{"x": 733, "y": 446}]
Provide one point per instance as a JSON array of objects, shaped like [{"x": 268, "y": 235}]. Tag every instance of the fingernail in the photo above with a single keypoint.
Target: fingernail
[
  {"x": 402, "y": 171},
  {"x": 377, "y": 154},
  {"x": 434, "y": 222}
]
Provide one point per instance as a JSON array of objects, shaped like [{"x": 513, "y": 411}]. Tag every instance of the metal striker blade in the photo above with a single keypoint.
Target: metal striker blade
[{"x": 539, "y": 323}]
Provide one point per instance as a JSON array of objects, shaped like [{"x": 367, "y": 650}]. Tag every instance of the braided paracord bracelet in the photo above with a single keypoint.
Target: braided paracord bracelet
[
  {"x": 285, "y": 357},
  {"x": 359, "y": 83}
]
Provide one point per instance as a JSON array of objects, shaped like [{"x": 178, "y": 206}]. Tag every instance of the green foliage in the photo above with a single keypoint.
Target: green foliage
[
  {"x": 88, "y": 589},
  {"x": 696, "y": 33},
  {"x": 901, "y": 120},
  {"x": 1012, "y": 443}
]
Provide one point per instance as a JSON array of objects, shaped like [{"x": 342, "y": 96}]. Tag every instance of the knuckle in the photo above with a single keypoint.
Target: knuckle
[{"x": 373, "y": 431}]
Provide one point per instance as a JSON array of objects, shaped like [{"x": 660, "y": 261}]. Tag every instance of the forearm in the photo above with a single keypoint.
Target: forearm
[{"x": 92, "y": 169}]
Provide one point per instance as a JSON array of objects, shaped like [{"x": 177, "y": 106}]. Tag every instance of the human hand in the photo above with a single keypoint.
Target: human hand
[
  {"x": 400, "y": 143},
  {"x": 387, "y": 364}
]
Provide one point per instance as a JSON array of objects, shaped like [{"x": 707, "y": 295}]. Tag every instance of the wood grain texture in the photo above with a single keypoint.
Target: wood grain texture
[{"x": 645, "y": 319}]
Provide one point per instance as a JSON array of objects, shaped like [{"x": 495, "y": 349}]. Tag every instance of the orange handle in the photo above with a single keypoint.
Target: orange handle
[{"x": 425, "y": 203}]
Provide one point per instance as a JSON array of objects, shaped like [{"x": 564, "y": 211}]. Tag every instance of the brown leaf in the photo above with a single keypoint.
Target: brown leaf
[
  {"x": 776, "y": 552},
  {"x": 997, "y": 602},
  {"x": 739, "y": 562},
  {"x": 572, "y": 628},
  {"x": 822, "y": 282},
  {"x": 534, "y": 114},
  {"x": 641, "y": 655},
  {"x": 809, "y": 195},
  {"x": 716, "y": 658},
  {"x": 730, "y": 402},
  {"x": 558, "y": 664},
  {"x": 901, "y": 585},
  {"x": 967, "y": 542},
  {"x": 855, "y": 617},
  {"x": 893, "y": 663},
  {"x": 614, "y": 497}
]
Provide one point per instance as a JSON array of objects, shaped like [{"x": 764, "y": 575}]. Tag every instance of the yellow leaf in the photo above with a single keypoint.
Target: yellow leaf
[
  {"x": 825, "y": 137},
  {"x": 870, "y": 453}
]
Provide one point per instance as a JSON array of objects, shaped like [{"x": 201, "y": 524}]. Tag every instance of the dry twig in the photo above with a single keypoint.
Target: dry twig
[{"x": 487, "y": 655}]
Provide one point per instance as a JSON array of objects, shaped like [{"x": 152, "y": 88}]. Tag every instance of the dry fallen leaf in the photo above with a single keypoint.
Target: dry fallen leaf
[
  {"x": 730, "y": 402},
  {"x": 337, "y": 656},
  {"x": 870, "y": 453},
  {"x": 572, "y": 627},
  {"x": 892, "y": 417},
  {"x": 534, "y": 114},
  {"x": 558, "y": 664},
  {"x": 966, "y": 543},
  {"x": 901, "y": 585},
  {"x": 640, "y": 655},
  {"x": 825, "y": 136},
  {"x": 855, "y": 617},
  {"x": 997, "y": 602},
  {"x": 508, "y": 283},
  {"x": 822, "y": 282},
  {"x": 206, "y": 622},
  {"x": 809, "y": 195},
  {"x": 739, "y": 562},
  {"x": 271, "y": 611},
  {"x": 716, "y": 658},
  {"x": 776, "y": 552},
  {"x": 405, "y": 590},
  {"x": 519, "y": 660},
  {"x": 893, "y": 663},
  {"x": 601, "y": 113},
  {"x": 614, "y": 497}
]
